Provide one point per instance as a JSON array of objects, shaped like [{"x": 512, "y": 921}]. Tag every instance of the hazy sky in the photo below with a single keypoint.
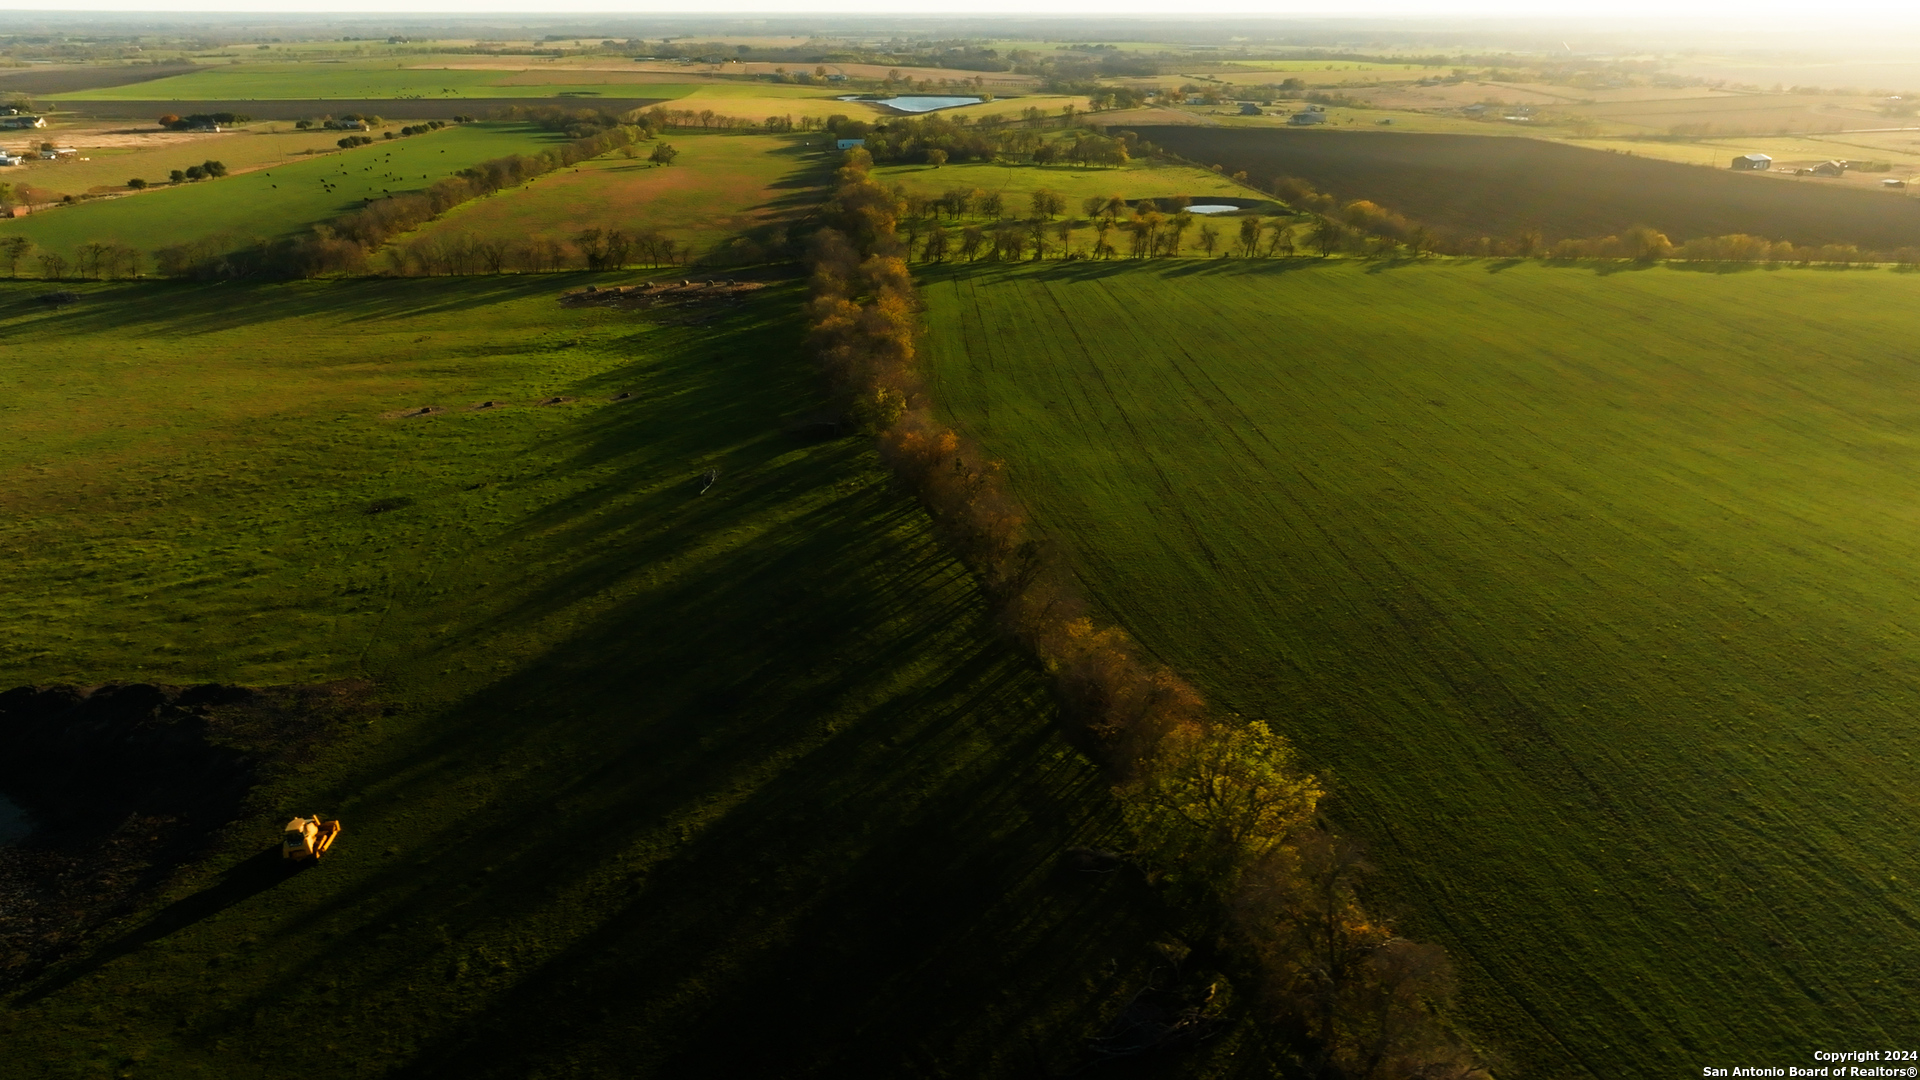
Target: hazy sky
[
  {"x": 1738, "y": 12},
  {"x": 1864, "y": 22}
]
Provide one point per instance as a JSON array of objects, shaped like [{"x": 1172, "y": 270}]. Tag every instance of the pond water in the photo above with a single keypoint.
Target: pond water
[
  {"x": 14, "y": 825},
  {"x": 917, "y": 103},
  {"x": 1212, "y": 208}
]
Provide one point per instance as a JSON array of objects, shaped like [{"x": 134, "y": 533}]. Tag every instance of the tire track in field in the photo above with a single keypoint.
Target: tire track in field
[
  {"x": 1166, "y": 482},
  {"x": 1489, "y": 691},
  {"x": 1225, "y": 413}
]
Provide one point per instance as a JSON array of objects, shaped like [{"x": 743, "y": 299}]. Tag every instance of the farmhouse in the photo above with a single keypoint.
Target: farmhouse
[
  {"x": 1305, "y": 118},
  {"x": 10, "y": 159},
  {"x": 1829, "y": 168},
  {"x": 58, "y": 153},
  {"x": 1756, "y": 162},
  {"x": 23, "y": 122},
  {"x": 1248, "y": 108}
]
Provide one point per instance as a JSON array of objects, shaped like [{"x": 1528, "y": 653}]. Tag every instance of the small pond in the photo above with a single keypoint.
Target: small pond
[
  {"x": 917, "y": 103},
  {"x": 14, "y": 825},
  {"x": 1213, "y": 208}
]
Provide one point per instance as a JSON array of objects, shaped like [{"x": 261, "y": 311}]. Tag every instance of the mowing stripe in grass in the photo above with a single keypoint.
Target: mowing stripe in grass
[{"x": 1594, "y": 592}]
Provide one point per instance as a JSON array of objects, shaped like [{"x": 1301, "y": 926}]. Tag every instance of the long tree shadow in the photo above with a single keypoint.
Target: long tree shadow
[{"x": 248, "y": 879}]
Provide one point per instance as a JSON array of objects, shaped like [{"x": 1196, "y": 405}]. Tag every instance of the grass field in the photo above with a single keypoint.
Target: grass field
[
  {"x": 720, "y": 187},
  {"x": 1595, "y": 593},
  {"x": 277, "y": 201},
  {"x": 670, "y": 784},
  {"x": 1486, "y": 186},
  {"x": 1144, "y": 179}
]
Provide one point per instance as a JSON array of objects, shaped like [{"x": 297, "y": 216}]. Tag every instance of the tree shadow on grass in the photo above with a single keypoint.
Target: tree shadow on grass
[
  {"x": 773, "y": 797},
  {"x": 256, "y": 875}
]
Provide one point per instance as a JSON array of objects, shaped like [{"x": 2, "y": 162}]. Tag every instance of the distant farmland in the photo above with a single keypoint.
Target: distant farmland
[
  {"x": 391, "y": 108},
  {"x": 1489, "y": 185},
  {"x": 1598, "y": 595}
]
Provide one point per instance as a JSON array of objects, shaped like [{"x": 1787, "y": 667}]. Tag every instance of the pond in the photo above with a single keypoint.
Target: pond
[
  {"x": 917, "y": 103},
  {"x": 1213, "y": 208},
  {"x": 14, "y": 825}
]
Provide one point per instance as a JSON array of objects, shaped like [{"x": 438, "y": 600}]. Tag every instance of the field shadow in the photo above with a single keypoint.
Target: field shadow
[
  {"x": 264, "y": 871},
  {"x": 776, "y": 797}
]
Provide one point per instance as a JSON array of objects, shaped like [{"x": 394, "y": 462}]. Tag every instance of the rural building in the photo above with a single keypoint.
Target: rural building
[
  {"x": 58, "y": 153},
  {"x": 1893, "y": 183},
  {"x": 848, "y": 144},
  {"x": 1304, "y": 118},
  {"x": 1755, "y": 162},
  {"x": 1474, "y": 110},
  {"x": 23, "y": 122},
  {"x": 9, "y": 159},
  {"x": 1830, "y": 168},
  {"x": 1248, "y": 108}
]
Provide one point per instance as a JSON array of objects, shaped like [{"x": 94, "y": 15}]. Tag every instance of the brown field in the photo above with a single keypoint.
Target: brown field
[
  {"x": 1750, "y": 114},
  {"x": 1477, "y": 185},
  {"x": 62, "y": 79},
  {"x": 112, "y": 155},
  {"x": 390, "y": 108},
  {"x": 1469, "y": 93},
  {"x": 1899, "y": 149},
  {"x": 1864, "y": 75},
  {"x": 667, "y": 71}
]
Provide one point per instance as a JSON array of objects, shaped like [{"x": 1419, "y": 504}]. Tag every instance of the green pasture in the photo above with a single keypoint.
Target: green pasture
[
  {"x": 1595, "y": 592},
  {"x": 1016, "y": 183},
  {"x": 742, "y": 783},
  {"x": 718, "y": 188},
  {"x": 277, "y": 201}
]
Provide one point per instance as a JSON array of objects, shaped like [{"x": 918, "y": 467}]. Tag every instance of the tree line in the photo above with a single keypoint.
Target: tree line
[
  {"x": 937, "y": 140},
  {"x": 1226, "y": 821},
  {"x": 1363, "y": 227},
  {"x": 591, "y": 249}
]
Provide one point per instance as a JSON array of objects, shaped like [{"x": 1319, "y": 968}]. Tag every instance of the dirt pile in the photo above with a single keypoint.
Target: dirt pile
[{"x": 124, "y": 784}]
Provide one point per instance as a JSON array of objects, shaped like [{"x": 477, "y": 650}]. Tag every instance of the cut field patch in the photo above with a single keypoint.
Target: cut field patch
[{"x": 720, "y": 187}]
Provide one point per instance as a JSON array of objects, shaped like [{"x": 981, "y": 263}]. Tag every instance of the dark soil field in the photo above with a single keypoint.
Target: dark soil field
[
  {"x": 399, "y": 108},
  {"x": 1485, "y": 185},
  {"x": 66, "y": 80}
]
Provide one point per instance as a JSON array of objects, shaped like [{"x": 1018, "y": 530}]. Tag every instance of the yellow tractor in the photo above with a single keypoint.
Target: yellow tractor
[{"x": 308, "y": 838}]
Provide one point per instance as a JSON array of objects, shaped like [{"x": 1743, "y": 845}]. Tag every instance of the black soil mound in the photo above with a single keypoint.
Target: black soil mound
[{"x": 127, "y": 782}]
